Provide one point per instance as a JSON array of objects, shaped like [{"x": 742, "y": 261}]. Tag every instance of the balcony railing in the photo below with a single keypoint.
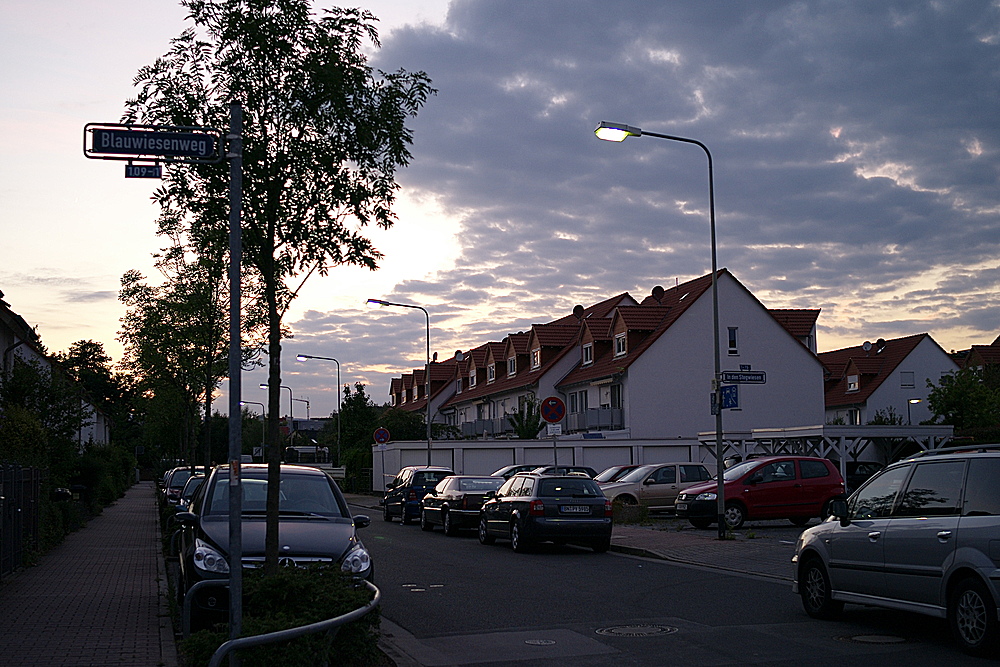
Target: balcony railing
[{"x": 600, "y": 419}]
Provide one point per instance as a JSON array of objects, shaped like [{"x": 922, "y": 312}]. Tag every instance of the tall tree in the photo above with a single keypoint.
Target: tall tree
[
  {"x": 963, "y": 399},
  {"x": 323, "y": 136}
]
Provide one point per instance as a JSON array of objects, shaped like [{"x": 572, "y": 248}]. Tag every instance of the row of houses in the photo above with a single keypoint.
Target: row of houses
[
  {"x": 642, "y": 368},
  {"x": 19, "y": 343}
]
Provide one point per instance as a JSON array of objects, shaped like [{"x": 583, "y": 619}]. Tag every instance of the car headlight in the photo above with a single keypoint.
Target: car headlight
[
  {"x": 357, "y": 560},
  {"x": 208, "y": 559},
  {"x": 710, "y": 495}
]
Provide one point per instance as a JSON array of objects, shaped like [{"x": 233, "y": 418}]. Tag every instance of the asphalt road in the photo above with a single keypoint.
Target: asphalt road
[{"x": 452, "y": 601}]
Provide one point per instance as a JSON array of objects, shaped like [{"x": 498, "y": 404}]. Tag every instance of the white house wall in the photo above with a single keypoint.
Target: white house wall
[{"x": 669, "y": 388}]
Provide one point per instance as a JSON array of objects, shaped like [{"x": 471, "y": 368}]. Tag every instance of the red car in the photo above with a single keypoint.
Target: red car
[{"x": 798, "y": 488}]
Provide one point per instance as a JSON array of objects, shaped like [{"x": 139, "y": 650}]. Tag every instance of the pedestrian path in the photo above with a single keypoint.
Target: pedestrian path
[{"x": 97, "y": 599}]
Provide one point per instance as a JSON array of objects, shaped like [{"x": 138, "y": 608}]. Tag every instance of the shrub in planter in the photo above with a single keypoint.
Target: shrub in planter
[{"x": 291, "y": 598}]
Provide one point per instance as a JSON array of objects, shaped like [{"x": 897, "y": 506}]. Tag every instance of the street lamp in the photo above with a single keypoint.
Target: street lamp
[
  {"x": 306, "y": 401},
  {"x": 427, "y": 365},
  {"x": 263, "y": 430},
  {"x": 291, "y": 412},
  {"x": 303, "y": 357},
  {"x": 618, "y": 132},
  {"x": 912, "y": 401}
]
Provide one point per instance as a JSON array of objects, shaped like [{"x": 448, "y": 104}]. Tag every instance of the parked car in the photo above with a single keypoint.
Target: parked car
[
  {"x": 798, "y": 488},
  {"x": 919, "y": 536},
  {"x": 657, "y": 485},
  {"x": 314, "y": 524},
  {"x": 190, "y": 486},
  {"x": 174, "y": 484},
  {"x": 531, "y": 508},
  {"x": 566, "y": 470},
  {"x": 455, "y": 502},
  {"x": 404, "y": 493},
  {"x": 614, "y": 473},
  {"x": 507, "y": 471}
]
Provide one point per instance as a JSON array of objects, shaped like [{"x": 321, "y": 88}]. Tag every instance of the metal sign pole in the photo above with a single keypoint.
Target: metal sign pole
[{"x": 235, "y": 156}]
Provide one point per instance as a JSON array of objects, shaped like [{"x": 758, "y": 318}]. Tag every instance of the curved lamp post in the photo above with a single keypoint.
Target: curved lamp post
[
  {"x": 427, "y": 365},
  {"x": 619, "y": 132},
  {"x": 263, "y": 429},
  {"x": 304, "y": 357}
]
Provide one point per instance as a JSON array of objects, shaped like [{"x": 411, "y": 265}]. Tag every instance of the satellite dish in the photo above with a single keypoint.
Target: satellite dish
[
  {"x": 658, "y": 293},
  {"x": 459, "y": 356},
  {"x": 867, "y": 346},
  {"x": 578, "y": 312},
  {"x": 435, "y": 358}
]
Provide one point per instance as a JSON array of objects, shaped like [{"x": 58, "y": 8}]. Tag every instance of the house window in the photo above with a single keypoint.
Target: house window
[
  {"x": 458, "y": 386},
  {"x": 854, "y": 417},
  {"x": 619, "y": 344},
  {"x": 734, "y": 344},
  {"x": 588, "y": 354},
  {"x": 906, "y": 379},
  {"x": 491, "y": 373},
  {"x": 578, "y": 401},
  {"x": 472, "y": 378},
  {"x": 511, "y": 366},
  {"x": 852, "y": 383},
  {"x": 616, "y": 396},
  {"x": 536, "y": 358}
]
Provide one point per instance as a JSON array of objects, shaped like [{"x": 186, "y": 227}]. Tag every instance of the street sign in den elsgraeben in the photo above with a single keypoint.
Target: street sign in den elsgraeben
[{"x": 108, "y": 141}]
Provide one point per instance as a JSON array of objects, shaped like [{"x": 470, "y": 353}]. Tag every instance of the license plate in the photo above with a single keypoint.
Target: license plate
[
  {"x": 575, "y": 509},
  {"x": 681, "y": 506}
]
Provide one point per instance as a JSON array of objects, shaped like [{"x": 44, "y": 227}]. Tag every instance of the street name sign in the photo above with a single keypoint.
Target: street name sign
[
  {"x": 105, "y": 141},
  {"x": 744, "y": 377}
]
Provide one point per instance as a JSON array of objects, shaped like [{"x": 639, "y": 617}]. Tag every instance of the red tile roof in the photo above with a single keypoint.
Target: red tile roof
[
  {"x": 874, "y": 366},
  {"x": 799, "y": 321}
]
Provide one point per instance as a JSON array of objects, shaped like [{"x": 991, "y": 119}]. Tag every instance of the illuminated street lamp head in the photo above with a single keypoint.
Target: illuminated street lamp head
[
  {"x": 616, "y": 131},
  {"x": 375, "y": 303},
  {"x": 302, "y": 357},
  {"x": 263, "y": 385}
]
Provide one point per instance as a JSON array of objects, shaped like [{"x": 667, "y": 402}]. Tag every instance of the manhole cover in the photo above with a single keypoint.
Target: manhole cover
[
  {"x": 872, "y": 639},
  {"x": 539, "y": 642},
  {"x": 636, "y": 630}
]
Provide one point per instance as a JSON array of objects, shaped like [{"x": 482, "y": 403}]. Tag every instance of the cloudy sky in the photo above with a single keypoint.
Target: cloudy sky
[{"x": 856, "y": 148}]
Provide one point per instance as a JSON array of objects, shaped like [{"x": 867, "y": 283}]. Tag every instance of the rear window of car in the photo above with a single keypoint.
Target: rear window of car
[
  {"x": 982, "y": 493},
  {"x": 550, "y": 488},
  {"x": 480, "y": 485},
  {"x": 427, "y": 477},
  {"x": 813, "y": 469}
]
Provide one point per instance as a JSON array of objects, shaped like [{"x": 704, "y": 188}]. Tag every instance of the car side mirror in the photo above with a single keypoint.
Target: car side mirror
[
  {"x": 756, "y": 479},
  {"x": 649, "y": 480},
  {"x": 490, "y": 494},
  {"x": 186, "y": 518},
  {"x": 838, "y": 510},
  {"x": 362, "y": 521}
]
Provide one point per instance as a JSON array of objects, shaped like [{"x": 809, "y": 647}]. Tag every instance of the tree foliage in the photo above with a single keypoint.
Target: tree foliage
[
  {"x": 964, "y": 400},
  {"x": 527, "y": 421},
  {"x": 322, "y": 138}
]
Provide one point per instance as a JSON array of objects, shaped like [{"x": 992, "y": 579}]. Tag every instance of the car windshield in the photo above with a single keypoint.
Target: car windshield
[
  {"x": 636, "y": 474},
  {"x": 480, "y": 484},
  {"x": 614, "y": 473},
  {"x": 304, "y": 495},
  {"x": 192, "y": 486},
  {"x": 581, "y": 487},
  {"x": 179, "y": 478},
  {"x": 737, "y": 471}
]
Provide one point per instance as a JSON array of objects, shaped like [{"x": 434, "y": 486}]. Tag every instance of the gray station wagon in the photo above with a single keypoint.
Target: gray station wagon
[{"x": 923, "y": 535}]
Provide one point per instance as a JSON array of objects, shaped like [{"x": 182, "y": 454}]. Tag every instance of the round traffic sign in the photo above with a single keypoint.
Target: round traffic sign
[
  {"x": 553, "y": 409},
  {"x": 381, "y": 435}
]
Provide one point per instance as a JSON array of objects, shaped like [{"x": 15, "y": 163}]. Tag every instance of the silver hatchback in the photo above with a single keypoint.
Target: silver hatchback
[{"x": 923, "y": 535}]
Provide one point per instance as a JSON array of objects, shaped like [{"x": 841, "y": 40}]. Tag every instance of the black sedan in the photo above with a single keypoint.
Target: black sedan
[
  {"x": 315, "y": 526},
  {"x": 455, "y": 502},
  {"x": 531, "y": 508}
]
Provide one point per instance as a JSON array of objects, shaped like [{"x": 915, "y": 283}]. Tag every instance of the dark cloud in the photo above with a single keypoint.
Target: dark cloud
[{"x": 855, "y": 149}]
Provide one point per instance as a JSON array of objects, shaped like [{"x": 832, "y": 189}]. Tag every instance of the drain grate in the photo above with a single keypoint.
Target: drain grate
[
  {"x": 636, "y": 630},
  {"x": 880, "y": 640}
]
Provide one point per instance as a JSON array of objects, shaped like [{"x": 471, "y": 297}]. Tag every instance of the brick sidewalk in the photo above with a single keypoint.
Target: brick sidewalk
[{"x": 97, "y": 599}]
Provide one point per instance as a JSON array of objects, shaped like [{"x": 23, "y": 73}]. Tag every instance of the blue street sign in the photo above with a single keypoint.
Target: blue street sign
[{"x": 730, "y": 396}]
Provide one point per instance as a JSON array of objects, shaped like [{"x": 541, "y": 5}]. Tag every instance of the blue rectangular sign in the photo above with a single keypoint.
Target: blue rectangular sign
[
  {"x": 730, "y": 396},
  {"x": 197, "y": 145},
  {"x": 143, "y": 171}
]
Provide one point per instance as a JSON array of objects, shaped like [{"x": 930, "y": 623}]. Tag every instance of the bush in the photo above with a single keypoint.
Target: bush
[
  {"x": 291, "y": 598},
  {"x": 622, "y": 513}
]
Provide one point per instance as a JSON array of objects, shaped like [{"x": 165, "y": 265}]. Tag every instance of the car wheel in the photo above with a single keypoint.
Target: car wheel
[
  {"x": 626, "y": 499},
  {"x": 517, "y": 541},
  {"x": 404, "y": 518},
  {"x": 800, "y": 521},
  {"x": 602, "y": 545},
  {"x": 424, "y": 523},
  {"x": 972, "y": 616},
  {"x": 700, "y": 523},
  {"x": 814, "y": 586},
  {"x": 449, "y": 527},
  {"x": 385, "y": 513},
  {"x": 735, "y": 516},
  {"x": 485, "y": 537}
]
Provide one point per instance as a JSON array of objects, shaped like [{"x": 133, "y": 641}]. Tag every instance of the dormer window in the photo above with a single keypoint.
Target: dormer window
[
  {"x": 511, "y": 366},
  {"x": 458, "y": 386},
  {"x": 620, "y": 345},
  {"x": 536, "y": 358},
  {"x": 491, "y": 372},
  {"x": 852, "y": 383},
  {"x": 472, "y": 378},
  {"x": 588, "y": 354}
]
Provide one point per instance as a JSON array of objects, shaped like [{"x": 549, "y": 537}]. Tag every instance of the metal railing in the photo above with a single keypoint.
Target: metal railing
[{"x": 330, "y": 625}]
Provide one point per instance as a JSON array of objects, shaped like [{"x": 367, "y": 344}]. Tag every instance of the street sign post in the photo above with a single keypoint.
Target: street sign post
[{"x": 553, "y": 409}]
